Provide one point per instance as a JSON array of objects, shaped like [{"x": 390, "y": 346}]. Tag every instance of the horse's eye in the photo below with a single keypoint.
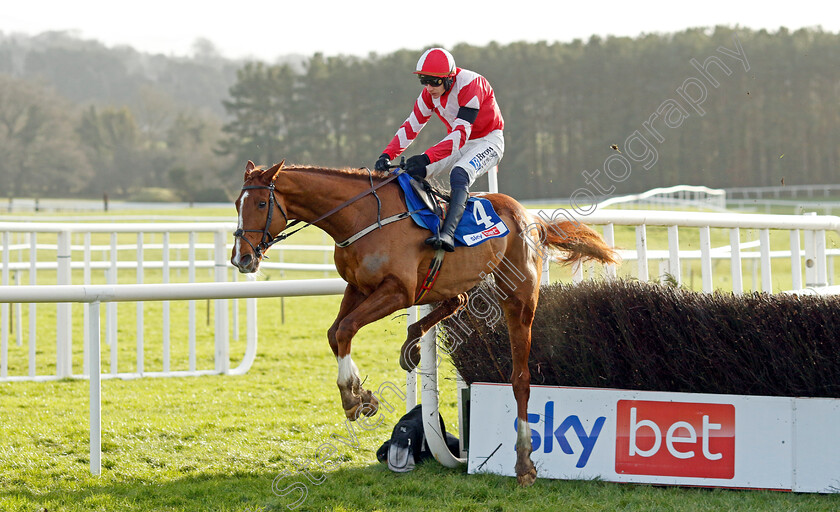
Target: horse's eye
[{"x": 262, "y": 204}]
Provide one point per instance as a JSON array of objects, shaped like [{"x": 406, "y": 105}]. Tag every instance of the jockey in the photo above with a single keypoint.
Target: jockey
[{"x": 474, "y": 143}]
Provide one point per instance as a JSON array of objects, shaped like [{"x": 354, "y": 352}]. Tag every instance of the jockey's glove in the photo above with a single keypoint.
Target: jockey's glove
[
  {"x": 416, "y": 166},
  {"x": 382, "y": 163}
]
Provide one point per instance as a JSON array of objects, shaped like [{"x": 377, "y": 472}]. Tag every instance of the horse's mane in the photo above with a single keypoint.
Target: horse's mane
[{"x": 361, "y": 172}]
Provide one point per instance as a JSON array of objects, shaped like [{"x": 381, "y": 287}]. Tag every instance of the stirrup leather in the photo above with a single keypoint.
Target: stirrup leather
[{"x": 445, "y": 237}]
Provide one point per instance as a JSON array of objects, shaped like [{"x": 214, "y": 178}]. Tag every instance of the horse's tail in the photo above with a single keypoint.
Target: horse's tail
[{"x": 577, "y": 241}]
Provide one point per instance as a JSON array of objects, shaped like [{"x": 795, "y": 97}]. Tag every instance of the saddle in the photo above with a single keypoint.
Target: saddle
[
  {"x": 427, "y": 207},
  {"x": 433, "y": 198}
]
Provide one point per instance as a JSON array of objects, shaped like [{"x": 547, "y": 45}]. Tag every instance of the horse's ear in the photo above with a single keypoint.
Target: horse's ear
[
  {"x": 249, "y": 168},
  {"x": 275, "y": 169}
]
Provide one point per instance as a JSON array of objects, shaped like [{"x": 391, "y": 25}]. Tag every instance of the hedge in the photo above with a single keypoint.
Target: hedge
[{"x": 633, "y": 335}]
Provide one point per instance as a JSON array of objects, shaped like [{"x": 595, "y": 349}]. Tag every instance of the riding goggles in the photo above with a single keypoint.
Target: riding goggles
[{"x": 431, "y": 80}]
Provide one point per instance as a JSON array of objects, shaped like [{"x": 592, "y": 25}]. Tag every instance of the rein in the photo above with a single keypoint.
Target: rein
[{"x": 267, "y": 240}]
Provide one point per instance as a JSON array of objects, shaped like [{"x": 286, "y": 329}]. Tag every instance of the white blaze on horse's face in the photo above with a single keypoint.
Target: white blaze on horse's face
[{"x": 240, "y": 225}]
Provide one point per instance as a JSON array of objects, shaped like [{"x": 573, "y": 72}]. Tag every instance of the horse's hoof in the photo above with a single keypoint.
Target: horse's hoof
[
  {"x": 351, "y": 413},
  {"x": 367, "y": 408},
  {"x": 369, "y": 405},
  {"x": 410, "y": 356},
  {"x": 526, "y": 473},
  {"x": 527, "y": 479}
]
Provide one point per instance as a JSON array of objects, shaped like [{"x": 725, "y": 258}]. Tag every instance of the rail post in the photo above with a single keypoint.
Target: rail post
[
  {"x": 4, "y": 324},
  {"x": 64, "y": 325},
  {"x": 429, "y": 397},
  {"x": 95, "y": 366},
  {"x": 221, "y": 306}
]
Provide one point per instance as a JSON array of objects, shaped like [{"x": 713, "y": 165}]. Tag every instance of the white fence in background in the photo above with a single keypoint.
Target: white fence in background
[
  {"x": 792, "y": 191},
  {"x": 796, "y": 199},
  {"x": 65, "y": 254},
  {"x": 682, "y": 196},
  {"x": 793, "y": 206},
  {"x": 806, "y": 247},
  {"x": 18, "y": 205}
]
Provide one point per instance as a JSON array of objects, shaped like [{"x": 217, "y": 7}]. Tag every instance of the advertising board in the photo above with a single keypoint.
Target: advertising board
[{"x": 616, "y": 435}]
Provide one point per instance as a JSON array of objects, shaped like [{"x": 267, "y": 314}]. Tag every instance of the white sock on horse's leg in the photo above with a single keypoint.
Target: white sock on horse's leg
[{"x": 347, "y": 370}]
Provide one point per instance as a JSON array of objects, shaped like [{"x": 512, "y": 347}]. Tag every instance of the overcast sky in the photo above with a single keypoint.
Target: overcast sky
[{"x": 266, "y": 29}]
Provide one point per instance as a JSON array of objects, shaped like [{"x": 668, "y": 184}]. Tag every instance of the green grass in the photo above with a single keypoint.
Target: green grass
[{"x": 224, "y": 443}]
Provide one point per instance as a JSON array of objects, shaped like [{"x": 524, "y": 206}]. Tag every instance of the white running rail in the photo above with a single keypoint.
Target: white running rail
[
  {"x": 810, "y": 246},
  {"x": 79, "y": 253}
]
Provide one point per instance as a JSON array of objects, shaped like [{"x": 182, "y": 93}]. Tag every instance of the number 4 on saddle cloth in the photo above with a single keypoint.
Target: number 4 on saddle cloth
[{"x": 479, "y": 223}]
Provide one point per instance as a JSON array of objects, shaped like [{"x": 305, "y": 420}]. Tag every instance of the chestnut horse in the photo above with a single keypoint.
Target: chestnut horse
[{"x": 386, "y": 267}]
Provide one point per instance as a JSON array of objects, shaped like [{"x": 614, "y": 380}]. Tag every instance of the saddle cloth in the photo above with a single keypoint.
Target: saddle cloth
[{"x": 479, "y": 223}]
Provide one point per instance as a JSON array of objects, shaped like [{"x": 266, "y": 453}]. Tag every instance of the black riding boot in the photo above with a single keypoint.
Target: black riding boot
[{"x": 445, "y": 238}]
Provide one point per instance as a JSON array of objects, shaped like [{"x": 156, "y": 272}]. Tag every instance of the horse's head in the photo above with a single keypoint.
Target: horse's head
[{"x": 262, "y": 215}]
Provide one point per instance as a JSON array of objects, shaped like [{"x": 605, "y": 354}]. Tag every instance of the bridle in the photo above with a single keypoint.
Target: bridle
[{"x": 267, "y": 240}]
